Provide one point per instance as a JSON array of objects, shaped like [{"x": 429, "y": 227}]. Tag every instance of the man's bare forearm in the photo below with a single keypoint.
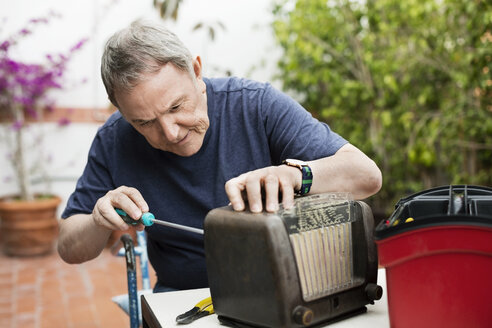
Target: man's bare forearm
[
  {"x": 80, "y": 239},
  {"x": 348, "y": 170}
]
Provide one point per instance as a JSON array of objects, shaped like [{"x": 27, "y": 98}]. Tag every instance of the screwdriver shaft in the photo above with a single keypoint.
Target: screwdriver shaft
[
  {"x": 148, "y": 219},
  {"x": 178, "y": 226}
]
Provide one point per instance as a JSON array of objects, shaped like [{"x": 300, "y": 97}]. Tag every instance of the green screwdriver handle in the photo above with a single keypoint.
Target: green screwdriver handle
[{"x": 147, "y": 218}]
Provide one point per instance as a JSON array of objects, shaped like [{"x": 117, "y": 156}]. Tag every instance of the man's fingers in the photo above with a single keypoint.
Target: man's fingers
[
  {"x": 138, "y": 199},
  {"x": 253, "y": 188},
  {"x": 287, "y": 194},
  {"x": 105, "y": 215},
  {"x": 271, "y": 185},
  {"x": 126, "y": 198},
  {"x": 234, "y": 188},
  {"x": 130, "y": 200},
  {"x": 268, "y": 181}
]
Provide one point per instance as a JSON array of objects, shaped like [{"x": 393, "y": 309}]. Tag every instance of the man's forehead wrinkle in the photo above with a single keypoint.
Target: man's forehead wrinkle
[{"x": 157, "y": 94}]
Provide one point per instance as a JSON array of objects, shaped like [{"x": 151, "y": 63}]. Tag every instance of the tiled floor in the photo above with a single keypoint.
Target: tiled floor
[{"x": 46, "y": 292}]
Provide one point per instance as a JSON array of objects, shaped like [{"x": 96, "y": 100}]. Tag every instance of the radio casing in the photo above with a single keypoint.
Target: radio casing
[{"x": 254, "y": 280}]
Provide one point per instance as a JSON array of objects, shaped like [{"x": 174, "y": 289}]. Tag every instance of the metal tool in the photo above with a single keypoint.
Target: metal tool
[
  {"x": 132, "y": 280},
  {"x": 149, "y": 219},
  {"x": 201, "y": 309}
]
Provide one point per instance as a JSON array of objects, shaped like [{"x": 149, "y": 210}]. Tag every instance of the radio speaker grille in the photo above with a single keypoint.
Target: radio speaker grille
[
  {"x": 320, "y": 232},
  {"x": 324, "y": 260}
]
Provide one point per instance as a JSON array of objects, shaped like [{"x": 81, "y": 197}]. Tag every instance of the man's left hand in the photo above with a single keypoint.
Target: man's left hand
[{"x": 268, "y": 181}]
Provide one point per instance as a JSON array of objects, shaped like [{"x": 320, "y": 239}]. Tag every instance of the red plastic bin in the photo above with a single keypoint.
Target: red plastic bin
[{"x": 439, "y": 263}]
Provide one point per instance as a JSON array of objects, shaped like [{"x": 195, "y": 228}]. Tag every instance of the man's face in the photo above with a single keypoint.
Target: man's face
[{"x": 169, "y": 108}]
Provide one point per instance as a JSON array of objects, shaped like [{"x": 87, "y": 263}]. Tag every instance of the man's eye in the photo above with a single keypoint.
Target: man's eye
[
  {"x": 147, "y": 123},
  {"x": 175, "y": 108}
]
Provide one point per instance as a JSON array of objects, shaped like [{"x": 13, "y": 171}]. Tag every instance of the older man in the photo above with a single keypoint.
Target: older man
[{"x": 182, "y": 144}]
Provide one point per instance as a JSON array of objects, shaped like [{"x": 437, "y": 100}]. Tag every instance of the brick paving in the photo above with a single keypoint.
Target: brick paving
[{"x": 45, "y": 292}]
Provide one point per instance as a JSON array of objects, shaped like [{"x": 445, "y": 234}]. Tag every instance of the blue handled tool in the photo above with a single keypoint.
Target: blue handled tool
[{"x": 149, "y": 219}]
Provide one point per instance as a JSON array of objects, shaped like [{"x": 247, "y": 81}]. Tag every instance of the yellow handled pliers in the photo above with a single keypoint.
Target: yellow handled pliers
[{"x": 201, "y": 309}]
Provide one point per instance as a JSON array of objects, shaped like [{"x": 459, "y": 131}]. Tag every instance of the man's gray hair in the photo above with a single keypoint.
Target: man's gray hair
[{"x": 142, "y": 48}]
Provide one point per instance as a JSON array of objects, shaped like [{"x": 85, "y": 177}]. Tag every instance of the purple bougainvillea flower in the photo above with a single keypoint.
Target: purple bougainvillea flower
[
  {"x": 25, "y": 90},
  {"x": 5, "y": 45},
  {"x": 17, "y": 125},
  {"x": 78, "y": 45},
  {"x": 50, "y": 107},
  {"x": 64, "y": 121}
]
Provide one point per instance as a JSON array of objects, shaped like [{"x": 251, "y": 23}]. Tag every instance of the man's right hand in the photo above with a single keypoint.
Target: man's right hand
[
  {"x": 82, "y": 237},
  {"x": 126, "y": 198}
]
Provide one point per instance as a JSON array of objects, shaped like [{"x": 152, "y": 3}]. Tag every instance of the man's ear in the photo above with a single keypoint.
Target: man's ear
[{"x": 197, "y": 67}]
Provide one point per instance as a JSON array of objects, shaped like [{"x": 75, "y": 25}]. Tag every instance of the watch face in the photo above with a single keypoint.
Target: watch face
[{"x": 295, "y": 161}]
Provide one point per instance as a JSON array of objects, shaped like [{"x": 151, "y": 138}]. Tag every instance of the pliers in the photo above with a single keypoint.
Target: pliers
[{"x": 201, "y": 309}]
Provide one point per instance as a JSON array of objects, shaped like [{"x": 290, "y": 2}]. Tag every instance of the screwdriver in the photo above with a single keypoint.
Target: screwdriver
[{"x": 149, "y": 219}]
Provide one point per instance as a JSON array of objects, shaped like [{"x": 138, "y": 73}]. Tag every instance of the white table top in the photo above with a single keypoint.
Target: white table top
[{"x": 166, "y": 306}]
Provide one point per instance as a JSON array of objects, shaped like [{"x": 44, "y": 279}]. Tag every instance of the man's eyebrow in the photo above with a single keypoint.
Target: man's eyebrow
[{"x": 175, "y": 102}]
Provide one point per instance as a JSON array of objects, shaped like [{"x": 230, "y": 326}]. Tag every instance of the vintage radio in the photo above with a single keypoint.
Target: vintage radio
[{"x": 311, "y": 264}]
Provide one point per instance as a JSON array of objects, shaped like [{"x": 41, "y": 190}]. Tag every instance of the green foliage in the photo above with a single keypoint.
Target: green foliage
[
  {"x": 408, "y": 82},
  {"x": 168, "y": 9}
]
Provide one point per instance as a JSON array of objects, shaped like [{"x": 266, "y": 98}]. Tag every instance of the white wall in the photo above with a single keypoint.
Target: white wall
[
  {"x": 246, "y": 48},
  {"x": 246, "y": 42}
]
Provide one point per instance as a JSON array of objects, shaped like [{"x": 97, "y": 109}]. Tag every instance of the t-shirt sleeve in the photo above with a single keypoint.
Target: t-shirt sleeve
[
  {"x": 293, "y": 132},
  {"x": 93, "y": 184}
]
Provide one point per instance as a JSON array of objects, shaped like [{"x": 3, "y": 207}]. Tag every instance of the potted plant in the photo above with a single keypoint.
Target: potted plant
[{"x": 28, "y": 223}]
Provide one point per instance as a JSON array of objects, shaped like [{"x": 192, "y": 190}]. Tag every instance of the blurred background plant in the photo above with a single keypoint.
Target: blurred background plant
[
  {"x": 169, "y": 11},
  {"x": 24, "y": 98},
  {"x": 408, "y": 82}
]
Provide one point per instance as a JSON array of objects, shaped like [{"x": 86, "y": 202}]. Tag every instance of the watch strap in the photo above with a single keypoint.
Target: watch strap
[
  {"x": 307, "y": 175},
  {"x": 307, "y": 180}
]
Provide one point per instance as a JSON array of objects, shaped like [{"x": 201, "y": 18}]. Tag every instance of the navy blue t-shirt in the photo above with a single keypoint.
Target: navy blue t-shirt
[{"x": 252, "y": 125}]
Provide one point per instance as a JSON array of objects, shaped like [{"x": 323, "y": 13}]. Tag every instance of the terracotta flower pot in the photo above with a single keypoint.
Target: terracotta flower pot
[{"x": 28, "y": 228}]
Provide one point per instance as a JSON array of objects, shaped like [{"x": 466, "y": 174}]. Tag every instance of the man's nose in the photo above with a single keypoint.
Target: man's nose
[{"x": 169, "y": 128}]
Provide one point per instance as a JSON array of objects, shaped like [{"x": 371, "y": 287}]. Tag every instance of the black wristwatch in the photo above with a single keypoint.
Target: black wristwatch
[{"x": 307, "y": 174}]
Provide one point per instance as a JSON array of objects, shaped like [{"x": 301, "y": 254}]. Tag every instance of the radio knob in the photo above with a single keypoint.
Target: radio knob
[
  {"x": 374, "y": 292},
  {"x": 302, "y": 315}
]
